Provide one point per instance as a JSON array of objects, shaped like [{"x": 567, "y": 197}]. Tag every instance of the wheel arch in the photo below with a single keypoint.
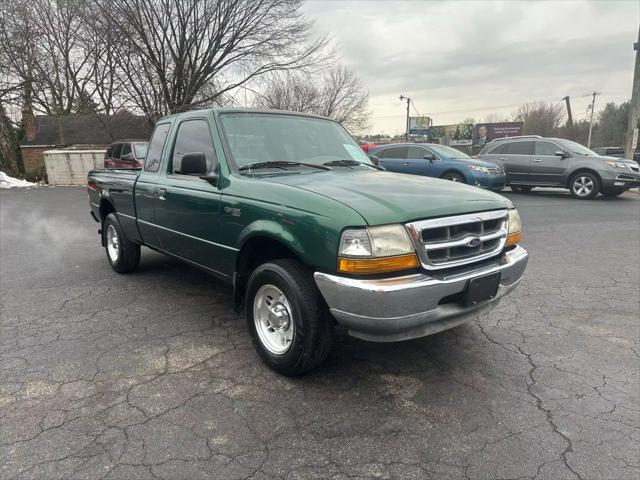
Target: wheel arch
[
  {"x": 455, "y": 170},
  {"x": 577, "y": 171},
  {"x": 255, "y": 250}
]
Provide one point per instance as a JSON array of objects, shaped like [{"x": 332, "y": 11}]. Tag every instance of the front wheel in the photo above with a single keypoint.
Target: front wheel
[
  {"x": 454, "y": 177},
  {"x": 287, "y": 318},
  {"x": 123, "y": 255},
  {"x": 584, "y": 186}
]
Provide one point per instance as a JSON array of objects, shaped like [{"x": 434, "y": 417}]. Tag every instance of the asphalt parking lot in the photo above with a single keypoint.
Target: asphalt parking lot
[{"x": 152, "y": 375}]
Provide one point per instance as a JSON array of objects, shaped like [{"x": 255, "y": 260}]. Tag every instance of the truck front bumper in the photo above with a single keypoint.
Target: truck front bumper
[{"x": 411, "y": 306}]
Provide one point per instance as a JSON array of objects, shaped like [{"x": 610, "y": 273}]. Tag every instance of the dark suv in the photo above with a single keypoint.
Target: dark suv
[
  {"x": 126, "y": 154},
  {"x": 534, "y": 161}
]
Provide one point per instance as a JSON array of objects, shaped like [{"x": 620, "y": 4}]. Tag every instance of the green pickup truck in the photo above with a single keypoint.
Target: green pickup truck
[{"x": 309, "y": 232}]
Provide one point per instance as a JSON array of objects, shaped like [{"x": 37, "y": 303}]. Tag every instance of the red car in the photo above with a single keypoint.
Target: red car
[
  {"x": 367, "y": 146},
  {"x": 126, "y": 154}
]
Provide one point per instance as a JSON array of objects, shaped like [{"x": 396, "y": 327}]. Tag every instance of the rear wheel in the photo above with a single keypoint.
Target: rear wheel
[
  {"x": 613, "y": 192},
  {"x": 287, "y": 318},
  {"x": 584, "y": 185},
  {"x": 454, "y": 177},
  {"x": 123, "y": 255}
]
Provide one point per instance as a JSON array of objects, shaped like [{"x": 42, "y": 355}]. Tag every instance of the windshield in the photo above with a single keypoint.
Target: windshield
[
  {"x": 447, "y": 152},
  {"x": 576, "y": 148},
  {"x": 141, "y": 150},
  {"x": 269, "y": 137}
]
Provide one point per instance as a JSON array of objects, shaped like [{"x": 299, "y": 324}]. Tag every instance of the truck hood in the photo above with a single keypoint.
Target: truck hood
[{"x": 385, "y": 197}]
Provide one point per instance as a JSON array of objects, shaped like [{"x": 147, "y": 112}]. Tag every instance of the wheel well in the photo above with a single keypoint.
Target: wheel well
[
  {"x": 255, "y": 252},
  {"x": 583, "y": 170},
  {"x": 105, "y": 209},
  {"x": 453, "y": 170}
]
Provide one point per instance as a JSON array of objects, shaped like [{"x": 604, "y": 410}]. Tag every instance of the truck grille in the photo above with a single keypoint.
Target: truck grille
[
  {"x": 496, "y": 171},
  {"x": 455, "y": 241}
]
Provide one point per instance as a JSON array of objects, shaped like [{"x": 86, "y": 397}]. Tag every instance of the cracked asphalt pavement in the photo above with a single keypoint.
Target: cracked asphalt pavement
[{"x": 152, "y": 375}]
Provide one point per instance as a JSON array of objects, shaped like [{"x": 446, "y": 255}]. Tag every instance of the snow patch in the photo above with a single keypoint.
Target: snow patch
[{"x": 9, "y": 182}]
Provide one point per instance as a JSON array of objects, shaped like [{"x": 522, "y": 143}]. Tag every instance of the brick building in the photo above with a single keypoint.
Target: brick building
[{"x": 46, "y": 132}]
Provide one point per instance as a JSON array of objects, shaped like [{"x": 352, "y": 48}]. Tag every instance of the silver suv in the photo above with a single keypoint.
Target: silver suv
[{"x": 533, "y": 161}]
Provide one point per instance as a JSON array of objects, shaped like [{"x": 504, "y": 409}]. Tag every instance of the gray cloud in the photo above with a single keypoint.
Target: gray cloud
[{"x": 469, "y": 58}]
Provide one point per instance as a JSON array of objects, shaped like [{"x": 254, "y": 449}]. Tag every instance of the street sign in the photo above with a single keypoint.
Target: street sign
[{"x": 634, "y": 142}]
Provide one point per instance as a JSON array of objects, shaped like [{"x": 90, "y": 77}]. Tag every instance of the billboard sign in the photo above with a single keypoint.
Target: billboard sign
[
  {"x": 419, "y": 125},
  {"x": 456, "y": 135},
  {"x": 485, "y": 132}
]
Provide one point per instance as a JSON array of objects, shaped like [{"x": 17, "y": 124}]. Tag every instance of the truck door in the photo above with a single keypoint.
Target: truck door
[
  {"x": 188, "y": 206},
  {"x": 146, "y": 187}
]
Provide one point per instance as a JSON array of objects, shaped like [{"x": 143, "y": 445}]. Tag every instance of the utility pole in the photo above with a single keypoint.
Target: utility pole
[
  {"x": 406, "y": 135},
  {"x": 632, "y": 127},
  {"x": 570, "y": 117},
  {"x": 593, "y": 104}
]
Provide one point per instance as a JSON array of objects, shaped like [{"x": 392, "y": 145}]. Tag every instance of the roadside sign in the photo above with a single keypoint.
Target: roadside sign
[{"x": 634, "y": 142}]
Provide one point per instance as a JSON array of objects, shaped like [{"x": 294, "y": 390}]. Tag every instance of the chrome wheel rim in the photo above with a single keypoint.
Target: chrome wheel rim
[
  {"x": 113, "y": 244},
  {"x": 273, "y": 319},
  {"x": 583, "y": 186},
  {"x": 453, "y": 178}
]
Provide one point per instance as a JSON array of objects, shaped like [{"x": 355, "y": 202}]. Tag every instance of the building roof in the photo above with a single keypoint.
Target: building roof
[{"x": 87, "y": 129}]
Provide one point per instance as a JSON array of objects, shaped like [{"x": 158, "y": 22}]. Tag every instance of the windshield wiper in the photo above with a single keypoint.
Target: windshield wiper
[
  {"x": 280, "y": 164},
  {"x": 351, "y": 163}
]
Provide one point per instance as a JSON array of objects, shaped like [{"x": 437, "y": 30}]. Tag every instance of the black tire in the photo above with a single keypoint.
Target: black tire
[
  {"x": 312, "y": 335},
  {"x": 520, "y": 188},
  {"x": 613, "y": 192},
  {"x": 127, "y": 258},
  {"x": 584, "y": 185},
  {"x": 454, "y": 177}
]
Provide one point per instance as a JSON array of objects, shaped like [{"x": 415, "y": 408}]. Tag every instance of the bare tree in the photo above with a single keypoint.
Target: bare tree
[
  {"x": 495, "y": 118},
  {"x": 180, "y": 54},
  {"x": 540, "y": 118},
  {"x": 339, "y": 94}
]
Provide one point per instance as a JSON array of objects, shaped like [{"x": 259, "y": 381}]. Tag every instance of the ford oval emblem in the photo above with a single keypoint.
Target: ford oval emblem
[{"x": 473, "y": 242}]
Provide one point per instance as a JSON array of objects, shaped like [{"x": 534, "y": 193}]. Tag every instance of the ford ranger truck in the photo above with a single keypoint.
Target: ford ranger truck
[{"x": 290, "y": 211}]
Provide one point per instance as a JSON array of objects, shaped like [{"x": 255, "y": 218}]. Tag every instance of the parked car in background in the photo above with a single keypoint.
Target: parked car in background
[
  {"x": 309, "y": 232},
  {"x": 533, "y": 161},
  {"x": 440, "y": 161},
  {"x": 617, "y": 152},
  {"x": 367, "y": 146},
  {"x": 126, "y": 154}
]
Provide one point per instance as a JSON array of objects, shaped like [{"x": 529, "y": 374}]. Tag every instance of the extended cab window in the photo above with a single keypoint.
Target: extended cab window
[
  {"x": 520, "y": 148},
  {"x": 152, "y": 162},
  {"x": 193, "y": 136}
]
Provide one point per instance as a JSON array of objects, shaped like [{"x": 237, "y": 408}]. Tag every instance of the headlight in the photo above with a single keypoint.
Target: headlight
[
  {"x": 376, "y": 250},
  {"x": 478, "y": 168},
  {"x": 614, "y": 164},
  {"x": 514, "y": 232}
]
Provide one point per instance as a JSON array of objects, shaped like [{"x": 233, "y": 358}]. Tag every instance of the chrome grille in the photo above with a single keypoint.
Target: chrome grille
[
  {"x": 459, "y": 240},
  {"x": 497, "y": 171}
]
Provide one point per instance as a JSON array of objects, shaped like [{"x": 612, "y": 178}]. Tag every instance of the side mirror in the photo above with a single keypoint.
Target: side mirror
[
  {"x": 561, "y": 154},
  {"x": 430, "y": 156},
  {"x": 374, "y": 159},
  {"x": 127, "y": 157},
  {"x": 193, "y": 163}
]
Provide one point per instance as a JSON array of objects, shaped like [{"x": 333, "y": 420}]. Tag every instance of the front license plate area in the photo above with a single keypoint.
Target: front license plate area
[{"x": 483, "y": 288}]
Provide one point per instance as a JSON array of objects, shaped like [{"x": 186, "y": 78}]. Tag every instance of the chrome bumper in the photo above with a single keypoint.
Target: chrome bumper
[{"x": 402, "y": 308}]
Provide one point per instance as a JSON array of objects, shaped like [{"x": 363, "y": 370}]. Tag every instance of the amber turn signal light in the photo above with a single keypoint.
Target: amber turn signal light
[
  {"x": 513, "y": 239},
  {"x": 377, "y": 265}
]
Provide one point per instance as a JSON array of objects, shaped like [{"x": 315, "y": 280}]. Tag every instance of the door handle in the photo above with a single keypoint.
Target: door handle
[
  {"x": 161, "y": 193},
  {"x": 407, "y": 164},
  {"x": 537, "y": 160},
  {"x": 502, "y": 158}
]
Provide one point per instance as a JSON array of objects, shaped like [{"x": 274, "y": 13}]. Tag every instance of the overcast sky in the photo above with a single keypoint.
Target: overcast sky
[{"x": 460, "y": 59}]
